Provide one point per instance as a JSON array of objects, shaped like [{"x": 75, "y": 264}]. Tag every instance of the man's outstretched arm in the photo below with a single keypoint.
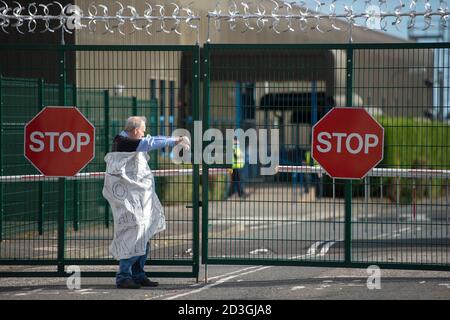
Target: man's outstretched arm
[{"x": 150, "y": 143}]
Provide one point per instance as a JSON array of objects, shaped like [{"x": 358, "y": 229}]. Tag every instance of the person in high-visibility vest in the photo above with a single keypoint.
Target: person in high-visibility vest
[
  {"x": 237, "y": 165},
  {"x": 315, "y": 177}
]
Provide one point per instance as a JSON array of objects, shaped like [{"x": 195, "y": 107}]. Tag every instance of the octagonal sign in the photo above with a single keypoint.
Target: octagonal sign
[
  {"x": 347, "y": 143},
  {"x": 59, "y": 141}
]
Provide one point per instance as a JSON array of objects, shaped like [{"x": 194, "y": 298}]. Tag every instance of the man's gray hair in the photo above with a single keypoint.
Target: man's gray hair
[{"x": 134, "y": 122}]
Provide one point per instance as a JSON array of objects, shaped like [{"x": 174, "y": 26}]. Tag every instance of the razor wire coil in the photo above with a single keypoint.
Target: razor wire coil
[{"x": 279, "y": 16}]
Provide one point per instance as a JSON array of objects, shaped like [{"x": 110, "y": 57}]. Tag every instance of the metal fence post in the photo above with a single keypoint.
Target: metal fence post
[
  {"x": 238, "y": 91},
  {"x": 1, "y": 159},
  {"x": 196, "y": 176},
  {"x": 366, "y": 205},
  {"x": 397, "y": 194},
  {"x": 135, "y": 106},
  {"x": 334, "y": 205},
  {"x": 446, "y": 200},
  {"x": 381, "y": 202},
  {"x": 41, "y": 183},
  {"x": 205, "y": 76},
  {"x": 348, "y": 183},
  {"x": 76, "y": 206},
  {"x": 61, "y": 181},
  {"x": 106, "y": 143},
  {"x": 76, "y": 185}
]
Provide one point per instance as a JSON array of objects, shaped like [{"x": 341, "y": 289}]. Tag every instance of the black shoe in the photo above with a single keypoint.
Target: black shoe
[
  {"x": 128, "y": 284},
  {"x": 147, "y": 283}
]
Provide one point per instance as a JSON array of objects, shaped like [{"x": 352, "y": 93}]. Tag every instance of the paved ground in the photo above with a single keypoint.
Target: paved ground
[
  {"x": 246, "y": 283},
  {"x": 277, "y": 214}
]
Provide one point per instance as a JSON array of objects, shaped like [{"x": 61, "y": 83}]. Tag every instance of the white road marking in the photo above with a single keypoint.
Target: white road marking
[
  {"x": 28, "y": 293},
  {"x": 313, "y": 249},
  {"x": 195, "y": 284},
  {"x": 396, "y": 234},
  {"x": 338, "y": 277},
  {"x": 209, "y": 278},
  {"x": 297, "y": 288},
  {"x": 209, "y": 286},
  {"x": 233, "y": 272},
  {"x": 303, "y": 256},
  {"x": 354, "y": 285},
  {"x": 326, "y": 247},
  {"x": 260, "y": 251},
  {"x": 312, "y": 252},
  {"x": 82, "y": 290},
  {"x": 50, "y": 292}
]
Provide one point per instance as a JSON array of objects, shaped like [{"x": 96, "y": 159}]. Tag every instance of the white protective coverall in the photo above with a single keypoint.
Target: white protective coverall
[{"x": 138, "y": 214}]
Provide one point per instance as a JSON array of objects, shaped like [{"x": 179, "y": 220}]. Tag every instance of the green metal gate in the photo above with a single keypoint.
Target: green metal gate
[
  {"x": 48, "y": 224},
  {"x": 397, "y": 217}
]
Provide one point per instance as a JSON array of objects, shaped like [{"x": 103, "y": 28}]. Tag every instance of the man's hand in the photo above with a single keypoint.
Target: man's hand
[
  {"x": 178, "y": 140},
  {"x": 184, "y": 141}
]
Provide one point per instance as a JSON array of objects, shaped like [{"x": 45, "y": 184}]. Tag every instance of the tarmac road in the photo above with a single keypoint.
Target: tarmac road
[
  {"x": 285, "y": 283},
  {"x": 245, "y": 283}
]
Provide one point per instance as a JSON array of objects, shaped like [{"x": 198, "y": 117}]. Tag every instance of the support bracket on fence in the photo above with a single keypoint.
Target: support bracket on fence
[{"x": 191, "y": 206}]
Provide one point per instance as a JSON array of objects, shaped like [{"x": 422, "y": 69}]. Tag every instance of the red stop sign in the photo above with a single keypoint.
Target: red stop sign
[
  {"x": 347, "y": 143},
  {"x": 59, "y": 141}
]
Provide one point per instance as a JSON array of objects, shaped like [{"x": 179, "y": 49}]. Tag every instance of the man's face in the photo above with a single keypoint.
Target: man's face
[{"x": 139, "y": 133}]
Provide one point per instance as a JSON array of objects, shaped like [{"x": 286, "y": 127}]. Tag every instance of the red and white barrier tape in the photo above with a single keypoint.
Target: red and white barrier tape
[
  {"x": 100, "y": 175},
  {"x": 377, "y": 172}
]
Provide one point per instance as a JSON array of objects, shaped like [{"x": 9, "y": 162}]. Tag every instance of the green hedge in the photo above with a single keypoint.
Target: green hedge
[
  {"x": 415, "y": 143},
  {"x": 408, "y": 144}
]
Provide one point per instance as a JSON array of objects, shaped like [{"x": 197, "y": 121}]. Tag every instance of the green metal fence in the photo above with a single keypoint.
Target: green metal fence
[
  {"x": 56, "y": 223},
  {"x": 394, "y": 218}
]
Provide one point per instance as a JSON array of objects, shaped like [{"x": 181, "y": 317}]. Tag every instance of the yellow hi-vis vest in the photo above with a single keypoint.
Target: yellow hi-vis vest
[
  {"x": 238, "y": 158},
  {"x": 308, "y": 159}
]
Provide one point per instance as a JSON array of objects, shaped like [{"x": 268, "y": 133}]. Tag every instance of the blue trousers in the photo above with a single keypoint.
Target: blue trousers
[{"x": 132, "y": 268}]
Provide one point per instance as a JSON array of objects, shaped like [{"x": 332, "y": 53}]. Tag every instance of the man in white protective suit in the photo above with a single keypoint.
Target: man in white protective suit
[{"x": 130, "y": 190}]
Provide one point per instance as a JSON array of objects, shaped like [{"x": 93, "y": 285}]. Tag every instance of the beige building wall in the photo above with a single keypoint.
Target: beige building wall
[{"x": 388, "y": 80}]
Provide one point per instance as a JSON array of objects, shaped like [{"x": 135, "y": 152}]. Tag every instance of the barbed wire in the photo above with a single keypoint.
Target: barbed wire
[
  {"x": 71, "y": 17},
  {"x": 280, "y": 16},
  {"x": 297, "y": 17}
]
